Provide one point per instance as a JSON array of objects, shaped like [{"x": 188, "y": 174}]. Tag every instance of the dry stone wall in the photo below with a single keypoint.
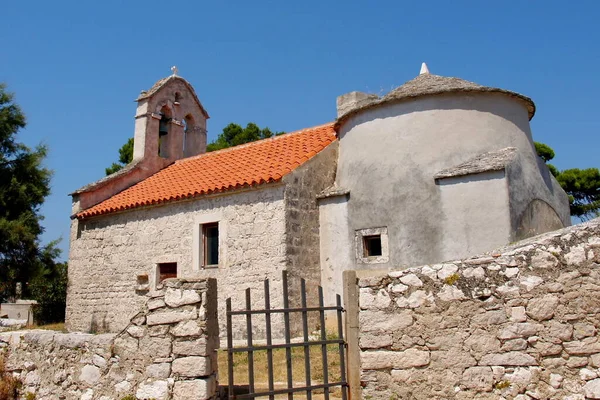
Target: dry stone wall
[
  {"x": 168, "y": 351},
  {"x": 518, "y": 323}
]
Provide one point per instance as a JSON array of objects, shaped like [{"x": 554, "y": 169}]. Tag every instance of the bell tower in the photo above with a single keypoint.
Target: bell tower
[{"x": 170, "y": 122}]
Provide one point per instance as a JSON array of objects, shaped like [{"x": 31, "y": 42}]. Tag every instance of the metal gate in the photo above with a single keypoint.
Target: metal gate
[{"x": 322, "y": 340}]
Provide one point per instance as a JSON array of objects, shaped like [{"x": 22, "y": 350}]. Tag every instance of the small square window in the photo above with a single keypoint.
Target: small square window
[
  {"x": 210, "y": 244},
  {"x": 166, "y": 271},
  {"x": 372, "y": 245}
]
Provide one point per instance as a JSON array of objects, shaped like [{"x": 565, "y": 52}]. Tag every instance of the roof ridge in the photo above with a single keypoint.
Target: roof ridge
[
  {"x": 248, "y": 165},
  {"x": 254, "y": 143}
]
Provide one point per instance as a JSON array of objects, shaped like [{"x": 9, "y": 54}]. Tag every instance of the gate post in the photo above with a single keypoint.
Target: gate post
[{"x": 353, "y": 353}]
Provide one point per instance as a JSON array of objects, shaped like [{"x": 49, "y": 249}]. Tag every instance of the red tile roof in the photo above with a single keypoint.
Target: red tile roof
[{"x": 247, "y": 165}]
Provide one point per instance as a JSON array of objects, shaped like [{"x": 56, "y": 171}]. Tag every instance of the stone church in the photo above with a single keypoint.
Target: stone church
[{"x": 439, "y": 168}]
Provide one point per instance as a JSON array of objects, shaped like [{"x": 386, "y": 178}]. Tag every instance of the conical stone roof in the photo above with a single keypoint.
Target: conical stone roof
[{"x": 428, "y": 84}]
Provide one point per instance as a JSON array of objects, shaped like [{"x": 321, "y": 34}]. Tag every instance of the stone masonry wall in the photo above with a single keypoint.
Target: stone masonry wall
[
  {"x": 168, "y": 351},
  {"x": 109, "y": 252},
  {"x": 519, "y": 323},
  {"x": 302, "y": 229}
]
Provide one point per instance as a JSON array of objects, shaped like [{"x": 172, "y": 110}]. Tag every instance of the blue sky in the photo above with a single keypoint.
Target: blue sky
[{"x": 77, "y": 66}]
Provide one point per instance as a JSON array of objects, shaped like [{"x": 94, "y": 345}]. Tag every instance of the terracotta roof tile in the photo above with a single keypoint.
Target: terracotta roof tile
[{"x": 250, "y": 164}]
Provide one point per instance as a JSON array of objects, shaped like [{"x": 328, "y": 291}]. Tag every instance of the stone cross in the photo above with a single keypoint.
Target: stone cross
[{"x": 175, "y": 70}]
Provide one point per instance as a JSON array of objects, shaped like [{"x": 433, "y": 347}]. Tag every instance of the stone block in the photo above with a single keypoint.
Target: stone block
[
  {"x": 87, "y": 395},
  {"x": 33, "y": 378},
  {"x": 517, "y": 314},
  {"x": 40, "y": 338},
  {"x": 178, "y": 297},
  {"x": 493, "y": 317},
  {"x": 451, "y": 293},
  {"x": 125, "y": 346},
  {"x": 515, "y": 344},
  {"x": 587, "y": 374},
  {"x": 158, "y": 330},
  {"x": 512, "y": 358},
  {"x": 394, "y": 359},
  {"x": 375, "y": 341},
  {"x": 576, "y": 256},
  {"x": 577, "y": 362},
  {"x": 482, "y": 342},
  {"x": 542, "y": 308},
  {"x": 519, "y": 330},
  {"x": 190, "y": 347},
  {"x": 191, "y": 367},
  {"x": 557, "y": 332},
  {"x": 187, "y": 328},
  {"x": 98, "y": 361},
  {"x": 583, "y": 330},
  {"x": 591, "y": 390},
  {"x": 136, "y": 331},
  {"x": 543, "y": 259},
  {"x": 582, "y": 347},
  {"x": 90, "y": 374},
  {"x": 478, "y": 378},
  {"x": 528, "y": 283},
  {"x": 411, "y": 280},
  {"x": 446, "y": 271},
  {"x": 155, "y": 346},
  {"x": 556, "y": 380},
  {"x": 157, "y": 390},
  {"x": 453, "y": 358},
  {"x": 158, "y": 371},
  {"x": 122, "y": 387},
  {"x": 385, "y": 322},
  {"x": 196, "y": 389},
  {"x": 417, "y": 299},
  {"x": 72, "y": 340},
  {"x": 172, "y": 316},
  {"x": 399, "y": 288},
  {"x": 155, "y": 303},
  {"x": 548, "y": 349},
  {"x": 369, "y": 300}
]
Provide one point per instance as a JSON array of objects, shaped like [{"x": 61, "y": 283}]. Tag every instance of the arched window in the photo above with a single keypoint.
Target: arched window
[
  {"x": 164, "y": 128},
  {"x": 188, "y": 125},
  {"x": 185, "y": 131}
]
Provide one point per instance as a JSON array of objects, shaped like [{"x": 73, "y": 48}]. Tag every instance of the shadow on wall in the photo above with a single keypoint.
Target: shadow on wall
[
  {"x": 99, "y": 324},
  {"x": 538, "y": 217}
]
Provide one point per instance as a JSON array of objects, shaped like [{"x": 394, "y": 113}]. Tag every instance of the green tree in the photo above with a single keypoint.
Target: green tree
[
  {"x": 24, "y": 184},
  {"x": 582, "y": 185},
  {"x": 125, "y": 157},
  {"x": 49, "y": 288},
  {"x": 234, "y": 135}
]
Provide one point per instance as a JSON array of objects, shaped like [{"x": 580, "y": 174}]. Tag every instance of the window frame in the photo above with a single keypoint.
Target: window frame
[
  {"x": 361, "y": 235},
  {"x": 205, "y": 238},
  {"x": 198, "y": 241},
  {"x": 159, "y": 274}
]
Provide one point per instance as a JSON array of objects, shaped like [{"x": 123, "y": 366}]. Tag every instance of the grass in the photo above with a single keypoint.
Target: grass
[
  {"x": 240, "y": 368},
  {"x": 59, "y": 327}
]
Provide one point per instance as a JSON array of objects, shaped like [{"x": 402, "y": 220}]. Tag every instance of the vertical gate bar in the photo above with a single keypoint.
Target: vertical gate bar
[
  {"x": 230, "y": 393},
  {"x": 305, "y": 332},
  {"x": 286, "y": 321},
  {"x": 324, "y": 346},
  {"x": 251, "y": 351},
  {"x": 341, "y": 336},
  {"x": 269, "y": 341}
]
